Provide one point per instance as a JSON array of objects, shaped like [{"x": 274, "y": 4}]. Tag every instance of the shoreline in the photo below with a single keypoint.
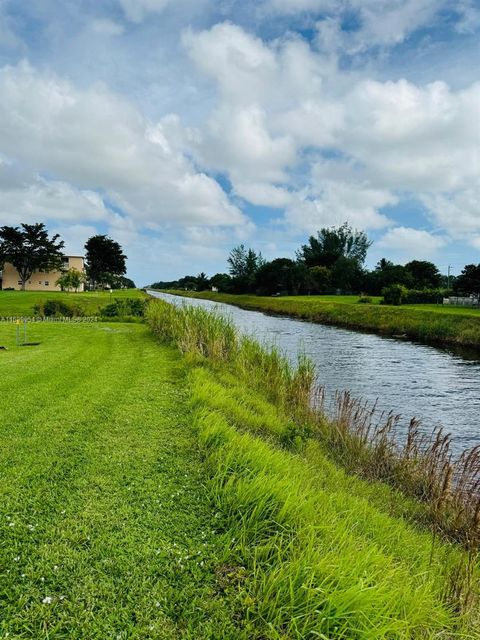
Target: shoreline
[{"x": 402, "y": 323}]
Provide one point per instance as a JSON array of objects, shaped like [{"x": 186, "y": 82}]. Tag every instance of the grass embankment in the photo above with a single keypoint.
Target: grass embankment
[
  {"x": 21, "y": 303},
  {"x": 429, "y": 323},
  {"x": 327, "y": 555},
  {"x": 106, "y": 530},
  {"x": 113, "y": 526}
]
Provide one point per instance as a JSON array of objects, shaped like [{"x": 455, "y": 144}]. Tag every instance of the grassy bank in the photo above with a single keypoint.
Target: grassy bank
[
  {"x": 21, "y": 303},
  {"x": 327, "y": 554},
  {"x": 429, "y": 323},
  {"x": 106, "y": 528},
  {"x": 143, "y": 495}
]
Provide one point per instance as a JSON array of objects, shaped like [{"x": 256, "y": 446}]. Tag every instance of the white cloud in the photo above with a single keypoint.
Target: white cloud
[
  {"x": 106, "y": 27},
  {"x": 263, "y": 194},
  {"x": 407, "y": 243},
  {"x": 241, "y": 64},
  {"x": 458, "y": 213},
  {"x": 296, "y": 6},
  {"x": 414, "y": 137},
  {"x": 380, "y": 22},
  {"x": 41, "y": 199},
  {"x": 277, "y": 99},
  {"x": 238, "y": 140},
  {"x": 97, "y": 140},
  {"x": 136, "y": 10},
  {"x": 74, "y": 236},
  {"x": 389, "y": 22},
  {"x": 469, "y": 14},
  {"x": 336, "y": 202}
]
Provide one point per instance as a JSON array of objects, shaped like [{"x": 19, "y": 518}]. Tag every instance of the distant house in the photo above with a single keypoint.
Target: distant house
[{"x": 40, "y": 280}]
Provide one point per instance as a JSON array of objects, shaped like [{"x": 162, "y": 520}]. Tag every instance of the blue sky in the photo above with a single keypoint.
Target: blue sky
[{"x": 184, "y": 127}]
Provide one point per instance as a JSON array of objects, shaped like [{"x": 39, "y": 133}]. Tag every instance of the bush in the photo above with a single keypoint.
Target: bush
[
  {"x": 123, "y": 308},
  {"x": 395, "y": 294},
  {"x": 365, "y": 300},
  {"x": 57, "y": 308},
  {"x": 424, "y": 296}
]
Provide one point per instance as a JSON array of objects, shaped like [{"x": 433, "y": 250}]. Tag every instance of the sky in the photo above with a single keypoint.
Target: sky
[{"x": 182, "y": 128}]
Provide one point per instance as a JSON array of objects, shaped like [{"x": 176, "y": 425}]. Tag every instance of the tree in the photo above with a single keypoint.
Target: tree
[
  {"x": 28, "y": 248},
  {"x": 333, "y": 243},
  {"x": 385, "y": 274},
  {"x": 278, "y": 276},
  {"x": 425, "y": 275},
  {"x": 244, "y": 265},
  {"x": 346, "y": 275},
  {"x": 222, "y": 282},
  {"x": 188, "y": 283},
  {"x": 71, "y": 279},
  {"x": 468, "y": 282},
  {"x": 104, "y": 260},
  {"x": 121, "y": 282},
  {"x": 203, "y": 283},
  {"x": 320, "y": 279}
]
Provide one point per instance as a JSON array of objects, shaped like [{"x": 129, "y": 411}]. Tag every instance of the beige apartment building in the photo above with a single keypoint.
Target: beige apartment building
[{"x": 40, "y": 280}]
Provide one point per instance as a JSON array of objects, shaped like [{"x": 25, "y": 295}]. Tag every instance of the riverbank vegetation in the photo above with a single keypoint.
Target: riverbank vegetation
[
  {"x": 432, "y": 324},
  {"x": 385, "y": 547}
]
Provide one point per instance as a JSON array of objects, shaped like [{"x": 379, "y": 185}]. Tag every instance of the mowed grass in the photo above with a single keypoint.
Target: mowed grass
[
  {"x": 429, "y": 323},
  {"x": 21, "y": 303},
  {"x": 105, "y": 525}
]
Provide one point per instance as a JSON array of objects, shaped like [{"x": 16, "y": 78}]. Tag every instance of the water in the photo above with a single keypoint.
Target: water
[{"x": 437, "y": 386}]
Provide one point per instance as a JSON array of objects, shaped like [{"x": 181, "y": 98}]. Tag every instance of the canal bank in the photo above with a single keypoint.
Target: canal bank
[
  {"x": 431, "y": 324},
  {"x": 326, "y": 553},
  {"x": 436, "y": 386}
]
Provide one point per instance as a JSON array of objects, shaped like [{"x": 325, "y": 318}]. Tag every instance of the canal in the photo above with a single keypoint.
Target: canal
[{"x": 437, "y": 386}]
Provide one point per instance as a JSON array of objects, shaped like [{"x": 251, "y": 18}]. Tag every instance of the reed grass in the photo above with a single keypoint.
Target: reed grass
[
  {"x": 421, "y": 466},
  {"x": 208, "y": 334},
  {"x": 323, "y": 560}
]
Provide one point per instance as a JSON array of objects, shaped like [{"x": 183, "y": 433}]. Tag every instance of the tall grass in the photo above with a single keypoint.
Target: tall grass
[
  {"x": 321, "y": 563},
  {"x": 203, "y": 333},
  {"x": 422, "y": 466}
]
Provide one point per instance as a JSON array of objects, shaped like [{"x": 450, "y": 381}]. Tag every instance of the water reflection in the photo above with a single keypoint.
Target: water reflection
[{"x": 437, "y": 386}]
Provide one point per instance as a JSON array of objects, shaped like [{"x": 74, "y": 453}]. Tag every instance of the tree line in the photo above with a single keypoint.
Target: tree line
[
  {"x": 30, "y": 249},
  {"x": 332, "y": 261}
]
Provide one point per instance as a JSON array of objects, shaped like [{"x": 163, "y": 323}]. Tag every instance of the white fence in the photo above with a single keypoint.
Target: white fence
[{"x": 458, "y": 301}]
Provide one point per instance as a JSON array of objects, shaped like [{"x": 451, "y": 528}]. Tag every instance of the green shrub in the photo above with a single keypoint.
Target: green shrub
[
  {"x": 57, "y": 308},
  {"x": 424, "y": 296},
  {"x": 123, "y": 308},
  {"x": 365, "y": 300},
  {"x": 395, "y": 294}
]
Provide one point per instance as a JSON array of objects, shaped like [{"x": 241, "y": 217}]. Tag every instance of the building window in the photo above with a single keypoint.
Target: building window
[
  {"x": 19, "y": 282},
  {"x": 46, "y": 283},
  {"x": 39, "y": 282}
]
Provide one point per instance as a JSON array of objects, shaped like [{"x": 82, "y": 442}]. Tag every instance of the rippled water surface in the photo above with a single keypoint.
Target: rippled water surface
[{"x": 434, "y": 385}]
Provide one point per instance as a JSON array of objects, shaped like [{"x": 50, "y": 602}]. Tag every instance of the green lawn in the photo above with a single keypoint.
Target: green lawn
[
  {"x": 21, "y": 303},
  {"x": 105, "y": 526}
]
